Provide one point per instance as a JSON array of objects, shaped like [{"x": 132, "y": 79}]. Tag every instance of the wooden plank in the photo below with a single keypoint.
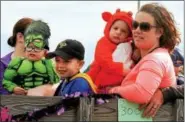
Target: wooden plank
[
  {"x": 23, "y": 104},
  {"x": 85, "y": 110},
  {"x": 170, "y": 112},
  {"x": 179, "y": 110},
  {"x": 106, "y": 112},
  {"x": 165, "y": 113},
  {"x": 68, "y": 116}
]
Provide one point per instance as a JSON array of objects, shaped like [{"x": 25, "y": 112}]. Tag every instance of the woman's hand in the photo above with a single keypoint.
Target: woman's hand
[
  {"x": 112, "y": 90},
  {"x": 19, "y": 91},
  {"x": 152, "y": 107}
]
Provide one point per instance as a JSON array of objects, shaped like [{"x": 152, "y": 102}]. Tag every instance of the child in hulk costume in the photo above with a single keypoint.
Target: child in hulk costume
[{"x": 34, "y": 70}]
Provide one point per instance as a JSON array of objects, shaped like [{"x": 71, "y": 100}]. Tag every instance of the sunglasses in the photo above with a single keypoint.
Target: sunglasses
[
  {"x": 35, "y": 49},
  {"x": 144, "y": 26}
]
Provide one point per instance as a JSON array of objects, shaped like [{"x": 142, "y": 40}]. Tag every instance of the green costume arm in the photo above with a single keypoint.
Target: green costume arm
[
  {"x": 54, "y": 78},
  {"x": 10, "y": 73},
  {"x": 9, "y": 85}
]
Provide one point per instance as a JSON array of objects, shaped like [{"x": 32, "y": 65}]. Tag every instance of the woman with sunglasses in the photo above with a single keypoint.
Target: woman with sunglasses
[
  {"x": 16, "y": 41},
  {"x": 155, "y": 35}
]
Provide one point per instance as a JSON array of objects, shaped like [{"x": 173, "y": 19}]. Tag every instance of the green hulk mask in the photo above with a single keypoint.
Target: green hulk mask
[
  {"x": 37, "y": 40},
  {"x": 38, "y": 32}
]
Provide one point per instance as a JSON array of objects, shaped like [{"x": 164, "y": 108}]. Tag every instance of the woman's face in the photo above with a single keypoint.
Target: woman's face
[
  {"x": 20, "y": 40},
  {"x": 144, "y": 31}
]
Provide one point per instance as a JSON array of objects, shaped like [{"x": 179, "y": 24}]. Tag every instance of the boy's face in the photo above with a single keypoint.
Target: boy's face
[
  {"x": 178, "y": 70},
  {"x": 68, "y": 68},
  {"x": 34, "y": 53},
  {"x": 119, "y": 31},
  {"x": 179, "y": 67}
]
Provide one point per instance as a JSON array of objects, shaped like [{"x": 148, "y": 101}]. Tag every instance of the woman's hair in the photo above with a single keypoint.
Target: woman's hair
[
  {"x": 165, "y": 20},
  {"x": 20, "y": 26}
]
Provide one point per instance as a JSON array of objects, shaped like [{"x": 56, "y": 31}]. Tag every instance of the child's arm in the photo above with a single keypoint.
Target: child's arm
[
  {"x": 123, "y": 53},
  {"x": 10, "y": 73},
  {"x": 53, "y": 76},
  {"x": 147, "y": 82},
  {"x": 9, "y": 85},
  {"x": 103, "y": 55}
]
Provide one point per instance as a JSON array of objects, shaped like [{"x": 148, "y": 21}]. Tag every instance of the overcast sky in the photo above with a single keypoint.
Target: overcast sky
[{"x": 80, "y": 20}]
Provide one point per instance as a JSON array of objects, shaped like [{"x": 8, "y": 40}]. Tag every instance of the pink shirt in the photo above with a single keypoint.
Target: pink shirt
[{"x": 154, "y": 71}]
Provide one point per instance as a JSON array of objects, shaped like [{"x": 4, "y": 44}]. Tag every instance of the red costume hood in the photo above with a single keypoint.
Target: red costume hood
[{"x": 118, "y": 15}]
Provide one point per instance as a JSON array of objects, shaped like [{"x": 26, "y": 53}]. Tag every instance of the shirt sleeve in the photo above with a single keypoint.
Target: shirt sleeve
[
  {"x": 147, "y": 82},
  {"x": 172, "y": 93},
  {"x": 54, "y": 77},
  {"x": 9, "y": 74},
  {"x": 8, "y": 80},
  {"x": 2, "y": 70}
]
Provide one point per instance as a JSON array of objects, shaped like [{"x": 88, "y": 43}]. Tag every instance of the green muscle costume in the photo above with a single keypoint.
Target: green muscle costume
[{"x": 26, "y": 73}]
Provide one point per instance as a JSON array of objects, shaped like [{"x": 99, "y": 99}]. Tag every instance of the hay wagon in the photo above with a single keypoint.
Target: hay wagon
[{"x": 85, "y": 109}]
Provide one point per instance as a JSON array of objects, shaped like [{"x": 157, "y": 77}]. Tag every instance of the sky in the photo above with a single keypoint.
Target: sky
[{"x": 80, "y": 20}]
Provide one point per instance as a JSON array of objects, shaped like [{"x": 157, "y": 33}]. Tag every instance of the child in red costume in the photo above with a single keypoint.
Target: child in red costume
[{"x": 107, "y": 69}]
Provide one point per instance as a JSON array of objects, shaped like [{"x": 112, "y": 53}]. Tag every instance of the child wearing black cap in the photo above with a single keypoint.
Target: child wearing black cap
[{"x": 69, "y": 56}]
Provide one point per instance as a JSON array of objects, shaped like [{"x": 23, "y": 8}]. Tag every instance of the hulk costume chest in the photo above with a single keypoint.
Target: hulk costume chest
[
  {"x": 29, "y": 68},
  {"x": 31, "y": 73}
]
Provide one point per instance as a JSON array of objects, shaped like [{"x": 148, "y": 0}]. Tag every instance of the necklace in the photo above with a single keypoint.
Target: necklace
[
  {"x": 147, "y": 53},
  {"x": 153, "y": 49}
]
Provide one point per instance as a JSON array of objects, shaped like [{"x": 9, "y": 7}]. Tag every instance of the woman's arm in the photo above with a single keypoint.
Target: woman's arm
[
  {"x": 147, "y": 81},
  {"x": 160, "y": 97},
  {"x": 103, "y": 55},
  {"x": 2, "y": 70},
  {"x": 172, "y": 93}
]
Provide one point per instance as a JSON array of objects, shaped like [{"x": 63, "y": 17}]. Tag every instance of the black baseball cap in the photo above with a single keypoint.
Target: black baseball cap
[
  {"x": 68, "y": 49},
  {"x": 177, "y": 57}
]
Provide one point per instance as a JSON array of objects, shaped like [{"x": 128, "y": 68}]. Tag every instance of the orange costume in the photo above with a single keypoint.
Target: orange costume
[{"x": 104, "y": 71}]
